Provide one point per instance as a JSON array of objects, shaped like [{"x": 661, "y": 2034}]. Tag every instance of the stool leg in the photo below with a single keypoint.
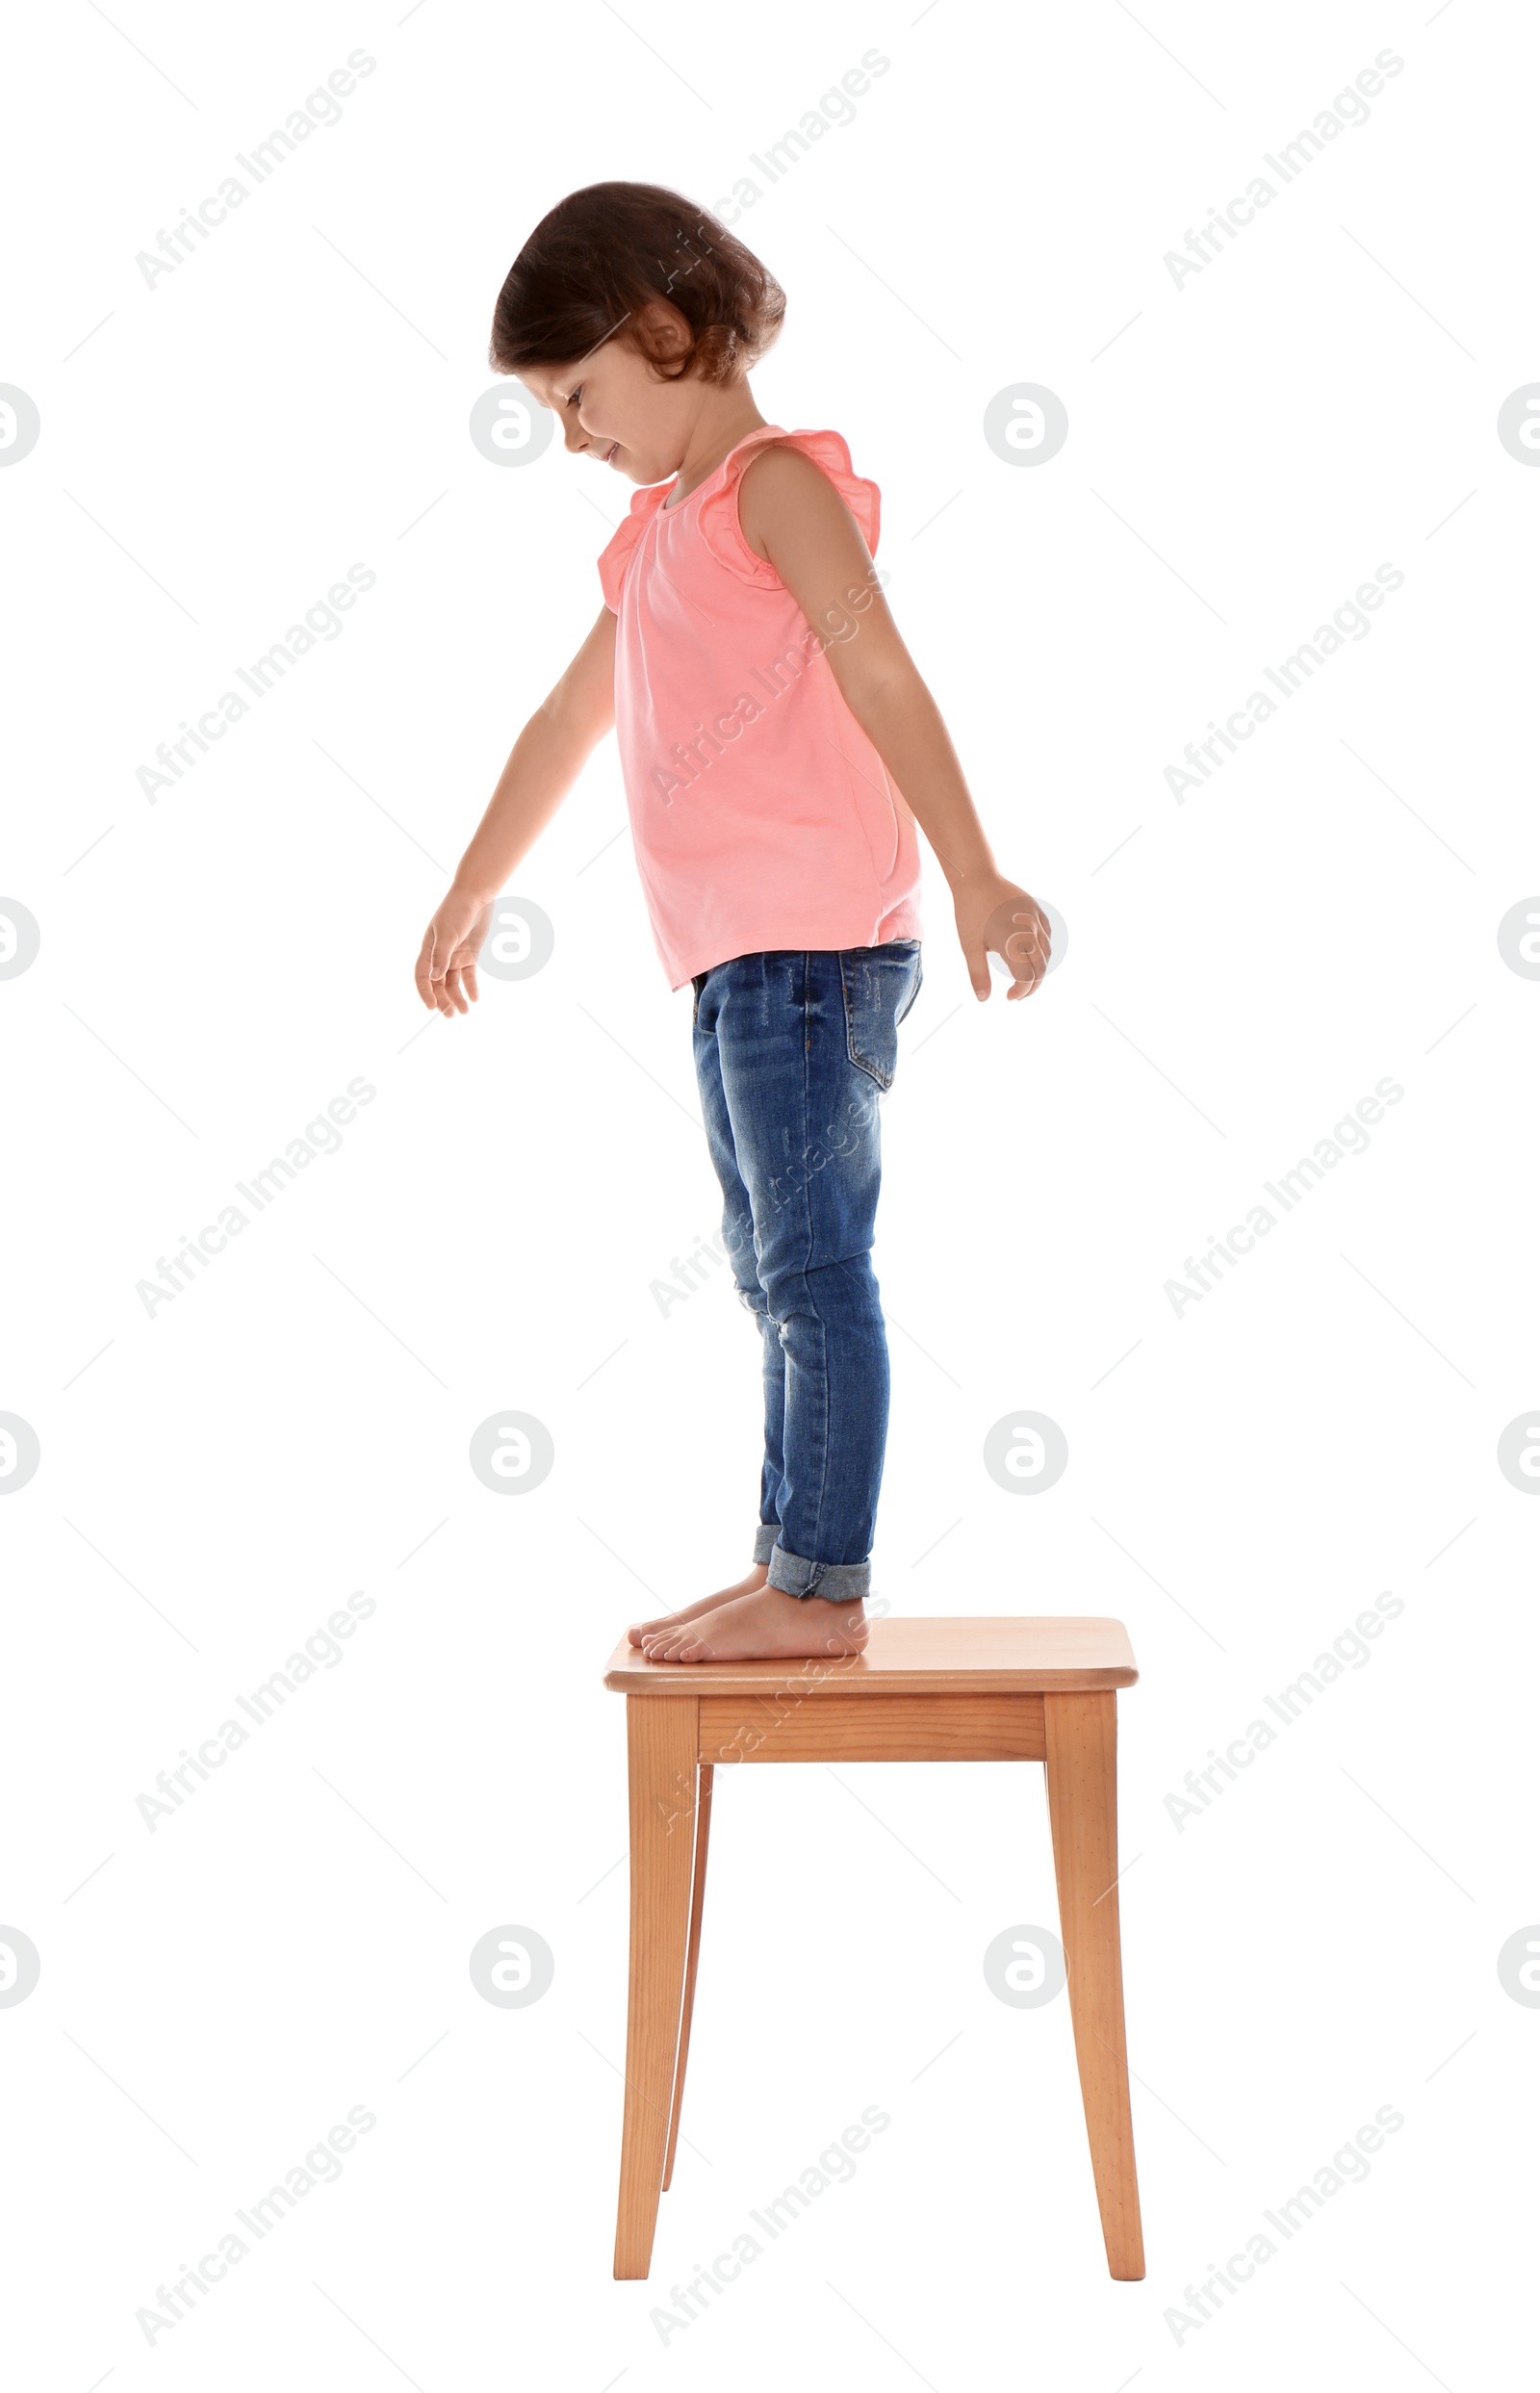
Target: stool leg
[
  {"x": 662, "y": 1745},
  {"x": 1081, "y": 1744},
  {"x": 703, "y": 1836}
]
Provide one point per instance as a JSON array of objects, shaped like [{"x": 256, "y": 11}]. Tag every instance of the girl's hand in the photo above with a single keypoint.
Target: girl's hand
[
  {"x": 446, "y": 967},
  {"x": 992, "y": 913}
]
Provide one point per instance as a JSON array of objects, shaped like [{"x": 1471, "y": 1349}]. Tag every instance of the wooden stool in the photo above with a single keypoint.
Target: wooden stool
[{"x": 924, "y": 1691}]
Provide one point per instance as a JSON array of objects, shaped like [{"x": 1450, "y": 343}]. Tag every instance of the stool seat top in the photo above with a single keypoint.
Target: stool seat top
[{"x": 928, "y": 1656}]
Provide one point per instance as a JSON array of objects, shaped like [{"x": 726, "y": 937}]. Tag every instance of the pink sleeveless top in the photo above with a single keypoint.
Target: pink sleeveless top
[{"x": 761, "y": 814}]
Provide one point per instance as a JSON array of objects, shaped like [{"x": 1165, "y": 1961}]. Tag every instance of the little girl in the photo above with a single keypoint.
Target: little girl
[{"x": 778, "y": 746}]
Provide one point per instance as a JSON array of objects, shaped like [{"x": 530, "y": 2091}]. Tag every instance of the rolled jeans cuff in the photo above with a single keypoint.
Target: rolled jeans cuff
[
  {"x": 838, "y": 1583},
  {"x": 765, "y": 1540}
]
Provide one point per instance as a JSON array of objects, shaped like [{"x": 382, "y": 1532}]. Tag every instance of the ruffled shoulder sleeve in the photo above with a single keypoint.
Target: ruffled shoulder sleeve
[
  {"x": 614, "y": 559},
  {"x": 718, "y": 513}
]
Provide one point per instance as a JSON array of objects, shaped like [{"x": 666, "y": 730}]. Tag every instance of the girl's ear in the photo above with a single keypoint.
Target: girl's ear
[{"x": 666, "y": 330}]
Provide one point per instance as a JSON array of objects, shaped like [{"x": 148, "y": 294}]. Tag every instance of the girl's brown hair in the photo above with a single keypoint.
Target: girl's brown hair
[{"x": 603, "y": 253}]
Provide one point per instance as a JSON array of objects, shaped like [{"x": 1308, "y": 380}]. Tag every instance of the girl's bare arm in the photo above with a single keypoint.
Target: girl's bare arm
[
  {"x": 792, "y": 516},
  {"x": 548, "y": 756}
]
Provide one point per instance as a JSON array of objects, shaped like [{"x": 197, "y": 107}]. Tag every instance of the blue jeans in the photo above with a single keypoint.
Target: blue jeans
[{"x": 793, "y": 1051}]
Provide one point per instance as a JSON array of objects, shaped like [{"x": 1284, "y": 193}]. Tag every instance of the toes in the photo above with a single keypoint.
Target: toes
[{"x": 649, "y": 1633}]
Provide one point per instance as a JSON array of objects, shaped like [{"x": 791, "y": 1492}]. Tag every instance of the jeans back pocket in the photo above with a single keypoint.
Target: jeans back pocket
[{"x": 880, "y": 986}]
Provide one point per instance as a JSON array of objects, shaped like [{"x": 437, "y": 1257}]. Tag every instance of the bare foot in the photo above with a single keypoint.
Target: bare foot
[
  {"x": 641, "y": 1630},
  {"x": 767, "y": 1624}
]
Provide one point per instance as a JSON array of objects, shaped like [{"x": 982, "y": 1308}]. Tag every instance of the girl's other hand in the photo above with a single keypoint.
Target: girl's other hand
[
  {"x": 994, "y": 913},
  {"x": 446, "y": 967}
]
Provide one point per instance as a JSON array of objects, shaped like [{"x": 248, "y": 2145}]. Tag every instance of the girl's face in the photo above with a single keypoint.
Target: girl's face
[{"x": 616, "y": 411}]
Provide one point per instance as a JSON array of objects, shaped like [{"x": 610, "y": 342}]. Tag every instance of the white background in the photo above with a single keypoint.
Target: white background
[{"x": 1242, "y": 967}]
